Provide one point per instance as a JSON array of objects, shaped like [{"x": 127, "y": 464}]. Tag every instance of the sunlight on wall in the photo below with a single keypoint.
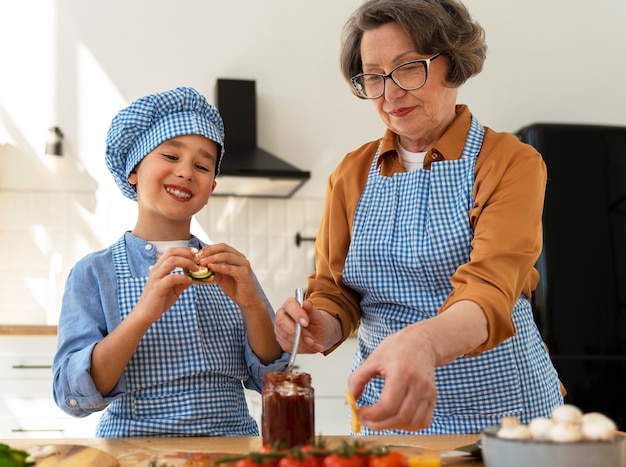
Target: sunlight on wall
[
  {"x": 27, "y": 83},
  {"x": 232, "y": 209},
  {"x": 97, "y": 102},
  {"x": 57, "y": 210},
  {"x": 55, "y": 287},
  {"x": 41, "y": 238},
  {"x": 46, "y": 290},
  {"x": 5, "y": 136},
  {"x": 59, "y": 225}
]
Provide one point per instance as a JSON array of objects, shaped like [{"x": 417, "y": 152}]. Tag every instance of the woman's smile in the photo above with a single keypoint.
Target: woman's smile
[{"x": 401, "y": 112}]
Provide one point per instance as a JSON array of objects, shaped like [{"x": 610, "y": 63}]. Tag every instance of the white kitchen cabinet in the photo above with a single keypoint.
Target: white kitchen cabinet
[{"x": 27, "y": 409}]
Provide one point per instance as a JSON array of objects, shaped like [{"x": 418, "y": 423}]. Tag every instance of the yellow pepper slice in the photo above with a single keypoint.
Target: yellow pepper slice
[{"x": 355, "y": 420}]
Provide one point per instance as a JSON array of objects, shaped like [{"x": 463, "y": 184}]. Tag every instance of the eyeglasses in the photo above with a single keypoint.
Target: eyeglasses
[{"x": 408, "y": 76}]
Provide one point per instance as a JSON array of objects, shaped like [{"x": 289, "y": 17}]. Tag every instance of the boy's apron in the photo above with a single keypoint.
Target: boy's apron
[
  {"x": 184, "y": 378},
  {"x": 411, "y": 232}
]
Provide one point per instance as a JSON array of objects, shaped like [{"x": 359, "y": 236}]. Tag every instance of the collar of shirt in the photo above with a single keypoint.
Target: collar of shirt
[
  {"x": 449, "y": 145},
  {"x": 141, "y": 253}
]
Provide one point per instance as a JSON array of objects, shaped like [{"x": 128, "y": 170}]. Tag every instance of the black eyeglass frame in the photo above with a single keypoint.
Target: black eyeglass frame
[{"x": 424, "y": 61}]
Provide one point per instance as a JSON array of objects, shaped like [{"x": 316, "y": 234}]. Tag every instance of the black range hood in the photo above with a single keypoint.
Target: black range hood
[{"x": 246, "y": 169}]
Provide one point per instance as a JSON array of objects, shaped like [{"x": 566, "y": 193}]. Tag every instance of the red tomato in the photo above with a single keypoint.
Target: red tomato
[
  {"x": 318, "y": 452},
  {"x": 336, "y": 460},
  {"x": 247, "y": 462},
  {"x": 391, "y": 459},
  {"x": 308, "y": 448},
  {"x": 306, "y": 461},
  {"x": 266, "y": 456},
  {"x": 363, "y": 453}
]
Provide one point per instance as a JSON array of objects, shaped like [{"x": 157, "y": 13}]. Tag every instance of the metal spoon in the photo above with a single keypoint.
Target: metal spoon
[{"x": 296, "y": 337}]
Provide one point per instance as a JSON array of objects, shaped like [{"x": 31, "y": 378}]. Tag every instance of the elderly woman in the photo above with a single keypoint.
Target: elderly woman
[{"x": 429, "y": 238}]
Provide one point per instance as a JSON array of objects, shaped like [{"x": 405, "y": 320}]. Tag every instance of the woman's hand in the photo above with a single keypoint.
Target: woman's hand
[
  {"x": 320, "y": 330},
  {"x": 407, "y": 363}
]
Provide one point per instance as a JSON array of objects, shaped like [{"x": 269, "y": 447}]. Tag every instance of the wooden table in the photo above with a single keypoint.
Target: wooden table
[{"x": 139, "y": 452}]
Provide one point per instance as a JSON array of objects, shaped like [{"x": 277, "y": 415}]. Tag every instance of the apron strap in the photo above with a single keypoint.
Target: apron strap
[
  {"x": 120, "y": 261},
  {"x": 474, "y": 140}
]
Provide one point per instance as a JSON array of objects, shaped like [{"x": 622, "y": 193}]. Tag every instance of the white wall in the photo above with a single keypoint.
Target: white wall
[
  {"x": 75, "y": 63},
  {"x": 550, "y": 60}
]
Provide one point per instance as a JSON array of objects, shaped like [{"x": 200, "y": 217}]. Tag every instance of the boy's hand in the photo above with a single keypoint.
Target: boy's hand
[
  {"x": 163, "y": 288},
  {"x": 233, "y": 273}
]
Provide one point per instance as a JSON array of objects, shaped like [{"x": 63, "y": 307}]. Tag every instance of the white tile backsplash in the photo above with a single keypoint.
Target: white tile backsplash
[{"x": 42, "y": 235}]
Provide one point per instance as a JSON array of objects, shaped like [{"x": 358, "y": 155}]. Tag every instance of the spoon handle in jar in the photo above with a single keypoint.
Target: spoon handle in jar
[{"x": 296, "y": 337}]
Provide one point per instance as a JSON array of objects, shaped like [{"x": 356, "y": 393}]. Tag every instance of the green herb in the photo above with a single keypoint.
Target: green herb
[
  {"x": 14, "y": 457},
  {"x": 154, "y": 464},
  {"x": 319, "y": 449}
]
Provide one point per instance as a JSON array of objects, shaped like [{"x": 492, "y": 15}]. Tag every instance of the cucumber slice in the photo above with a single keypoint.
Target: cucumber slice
[{"x": 202, "y": 274}]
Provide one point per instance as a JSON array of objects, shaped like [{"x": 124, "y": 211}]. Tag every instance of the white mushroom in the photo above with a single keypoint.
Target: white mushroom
[
  {"x": 510, "y": 428},
  {"x": 39, "y": 451},
  {"x": 567, "y": 414},
  {"x": 565, "y": 432},
  {"x": 597, "y": 426},
  {"x": 540, "y": 428},
  {"x": 568, "y": 424}
]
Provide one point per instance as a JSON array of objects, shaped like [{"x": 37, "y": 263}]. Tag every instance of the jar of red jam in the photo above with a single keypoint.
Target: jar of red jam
[{"x": 288, "y": 415}]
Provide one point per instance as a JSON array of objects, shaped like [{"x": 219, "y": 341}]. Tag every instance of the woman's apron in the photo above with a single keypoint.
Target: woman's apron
[
  {"x": 411, "y": 232},
  {"x": 184, "y": 378}
]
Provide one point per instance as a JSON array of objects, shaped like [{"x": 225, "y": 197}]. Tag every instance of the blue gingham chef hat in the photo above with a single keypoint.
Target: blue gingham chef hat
[{"x": 139, "y": 128}]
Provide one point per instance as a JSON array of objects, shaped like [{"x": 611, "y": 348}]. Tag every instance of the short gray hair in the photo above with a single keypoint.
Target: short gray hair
[{"x": 434, "y": 26}]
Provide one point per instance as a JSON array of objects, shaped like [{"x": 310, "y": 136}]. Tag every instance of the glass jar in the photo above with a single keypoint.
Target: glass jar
[{"x": 288, "y": 413}]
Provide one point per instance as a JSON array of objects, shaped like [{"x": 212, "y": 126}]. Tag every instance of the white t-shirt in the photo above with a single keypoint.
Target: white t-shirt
[
  {"x": 411, "y": 160},
  {"x": 162, "y": 246}
]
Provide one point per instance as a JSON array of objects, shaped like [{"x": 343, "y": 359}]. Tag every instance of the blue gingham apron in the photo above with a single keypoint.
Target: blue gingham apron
[
  {"x": 411, "y": 232},
  {"x": 185, "y": 377}
]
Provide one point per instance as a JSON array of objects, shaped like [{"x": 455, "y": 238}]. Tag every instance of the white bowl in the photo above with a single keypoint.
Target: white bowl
[{"x": 498, "y": 452}]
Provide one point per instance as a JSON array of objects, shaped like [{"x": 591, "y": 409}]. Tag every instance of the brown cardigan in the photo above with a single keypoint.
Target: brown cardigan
[{"x": 510, "y": 179}]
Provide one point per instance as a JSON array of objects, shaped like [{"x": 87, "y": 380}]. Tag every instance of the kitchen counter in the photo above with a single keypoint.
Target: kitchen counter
[
  {"x": 139, "y": 452},
  {"x": 28, "y": 330}
]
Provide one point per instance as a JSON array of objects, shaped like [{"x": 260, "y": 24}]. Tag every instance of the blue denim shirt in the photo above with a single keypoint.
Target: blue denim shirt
[{"x": 90, "y": 310}]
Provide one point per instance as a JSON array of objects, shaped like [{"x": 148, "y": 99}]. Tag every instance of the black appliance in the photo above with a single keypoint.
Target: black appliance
[
  {"x": 248, "y": 170},
  {"x": 580, "y": 303}
]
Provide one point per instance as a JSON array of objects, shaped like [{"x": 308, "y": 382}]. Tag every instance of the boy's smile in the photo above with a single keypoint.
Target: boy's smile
[{"x": 178, "y": 192}]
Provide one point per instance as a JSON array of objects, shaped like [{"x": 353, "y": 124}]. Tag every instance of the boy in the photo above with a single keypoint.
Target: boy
[{"x": 163, "y": 356}]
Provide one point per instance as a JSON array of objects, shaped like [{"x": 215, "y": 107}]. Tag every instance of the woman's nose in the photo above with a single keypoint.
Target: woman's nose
[{"x": 392, "y": 90}]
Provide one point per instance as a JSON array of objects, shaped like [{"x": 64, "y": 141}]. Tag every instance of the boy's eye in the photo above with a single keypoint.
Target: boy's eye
[
  {"x": 170, "y": 156},
  {"x": 202, "y": 167}
]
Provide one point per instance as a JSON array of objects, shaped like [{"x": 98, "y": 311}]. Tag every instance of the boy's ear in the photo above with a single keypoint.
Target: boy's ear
[
  {"x": 212, "y": 190},
  {"x": 132, "y": 178}
]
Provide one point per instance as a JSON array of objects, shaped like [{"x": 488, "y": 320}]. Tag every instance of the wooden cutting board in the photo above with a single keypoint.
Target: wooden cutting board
[{"x": 74, "y": 455}]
